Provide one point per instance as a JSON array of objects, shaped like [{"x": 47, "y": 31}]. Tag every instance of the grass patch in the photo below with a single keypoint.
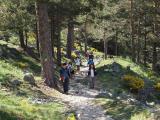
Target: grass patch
[
  {"x": 13, "y": 108},
  {"x": 136, "y": 70},
  {"x": 119, "y": 110},
  {"x": 9, "y": 72},
  {"x": 112, "y": 82},
  {"x": 14, "y": 103}
]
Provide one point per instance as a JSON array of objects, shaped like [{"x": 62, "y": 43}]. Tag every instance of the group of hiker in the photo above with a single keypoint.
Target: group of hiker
[{"x": 67, "y": 72}]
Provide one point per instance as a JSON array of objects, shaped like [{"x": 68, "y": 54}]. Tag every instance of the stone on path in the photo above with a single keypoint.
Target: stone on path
[
  {"x": 16, "y": 83},
  {"x": 29, "y": 78}
]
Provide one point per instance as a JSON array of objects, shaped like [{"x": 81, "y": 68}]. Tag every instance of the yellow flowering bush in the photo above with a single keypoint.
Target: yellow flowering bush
[
  {"x": 76, "y": 45},
  {"x": 74, "y": 55},
  {"x": 25, "y": 105},
  {"x": 22, "y": 65},
  {"x": 157, "y": 86},
  {"x": 127, "y": 78},
  {"x": 94, "y": 50},
  {"x": 71, "y": 117},
  {"x": 133, "y": 82}
]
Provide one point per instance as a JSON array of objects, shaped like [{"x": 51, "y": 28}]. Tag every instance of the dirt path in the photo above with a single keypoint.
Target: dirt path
[{"x": 81, "y": 99}]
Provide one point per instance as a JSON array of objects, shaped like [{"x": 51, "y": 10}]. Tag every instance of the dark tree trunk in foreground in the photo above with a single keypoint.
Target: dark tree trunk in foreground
[
  {"x": 70, "y": 37},
  {"x": 21, "y": 38},
  {"x": 53, "y": 34},
  {"x": 45, "y": 44}
]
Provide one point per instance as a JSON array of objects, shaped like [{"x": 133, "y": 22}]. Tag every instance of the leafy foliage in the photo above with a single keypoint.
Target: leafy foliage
[
  {"x": 157, "y": 86},
  {"x": 133, "y": 82}
]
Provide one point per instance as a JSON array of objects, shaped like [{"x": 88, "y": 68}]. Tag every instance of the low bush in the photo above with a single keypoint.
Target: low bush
[
  {"x": 74, "y": 55},
  {"x": 22, "y": 65},
  {"x": 157, "y": 86},
  {"x": 133, "y": 82}
]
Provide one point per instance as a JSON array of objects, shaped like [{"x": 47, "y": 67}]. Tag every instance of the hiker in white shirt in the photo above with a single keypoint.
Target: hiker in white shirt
[
  {"x": 78, "y": 63},
  {"x": 92, "y": 74}
]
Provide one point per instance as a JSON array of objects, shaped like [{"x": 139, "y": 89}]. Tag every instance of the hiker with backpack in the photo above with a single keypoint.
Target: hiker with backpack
[
  {"x": 92, "y": 76},
  {"x": 90, "y": 62},
  {"x": 64, "y": 77}
]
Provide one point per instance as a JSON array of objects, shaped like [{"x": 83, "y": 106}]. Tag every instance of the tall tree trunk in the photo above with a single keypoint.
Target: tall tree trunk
[
  {"x": 37, "y": 40},
  {"x": 21, "y": 38},
  {"x": 132, "y": 32},
  {"x": 145, "y": 42},
  {"x": 138, "y": 43},
  {"x": 85, "y": 36},
  {"x": 53, "y": 33},
  {"x": 154, "y": 61},
  {"x": 58, "y": 37},
  {"x": 105, "y": 44},
  {"x": 70, "y": 37},
  {"x": 59, "y": 47},
  {"x": 116, "y": 42},
  {"x": 26, "y": 38},
  {"x": 45, "y": 44},
  {"x": 154, "y": 56}
]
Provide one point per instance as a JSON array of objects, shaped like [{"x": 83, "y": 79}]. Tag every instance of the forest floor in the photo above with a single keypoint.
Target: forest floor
[{"x": 109, "y": 100}]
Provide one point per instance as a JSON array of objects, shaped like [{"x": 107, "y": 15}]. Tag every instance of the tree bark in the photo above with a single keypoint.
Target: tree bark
[
  {"x": 116, "y": 42},
  {"x": 154, "y": 57},
  {"x": 53, "y": 33},
  {"x": 70, "y": 37},
  {"x": 85, "y": 36},
  {"x": 59, "y": 49},
  {"x": 105, "y": 45},
  {"x": 139, "y": 42},
  {"x": 37, "y": 40},
  {"x": 45, "y": 44},
  {"x": 21, "y": 38},
  {"x": 145, "y": 42},
  {"x": 58, "y": 37},
  {"x": 132, "y": 32},
  {"x": 26, "y": 38}
]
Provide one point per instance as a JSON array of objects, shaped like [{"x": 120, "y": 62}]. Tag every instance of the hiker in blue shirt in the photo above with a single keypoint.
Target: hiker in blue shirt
[
  {"x": 90, "y": 62},
  {"x": 64, "y": 76}
]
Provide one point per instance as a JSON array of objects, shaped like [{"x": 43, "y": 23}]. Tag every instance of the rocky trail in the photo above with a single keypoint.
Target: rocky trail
[{"x": 81, "y": 99}]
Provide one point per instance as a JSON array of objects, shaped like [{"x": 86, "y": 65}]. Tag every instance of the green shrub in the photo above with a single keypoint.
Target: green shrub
[
  {"x": 22, "y": 65},
  {"x": 74, "y": 55},
  {"x": 133, "y": 82},
  {"x": 157, "y": 86}
]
